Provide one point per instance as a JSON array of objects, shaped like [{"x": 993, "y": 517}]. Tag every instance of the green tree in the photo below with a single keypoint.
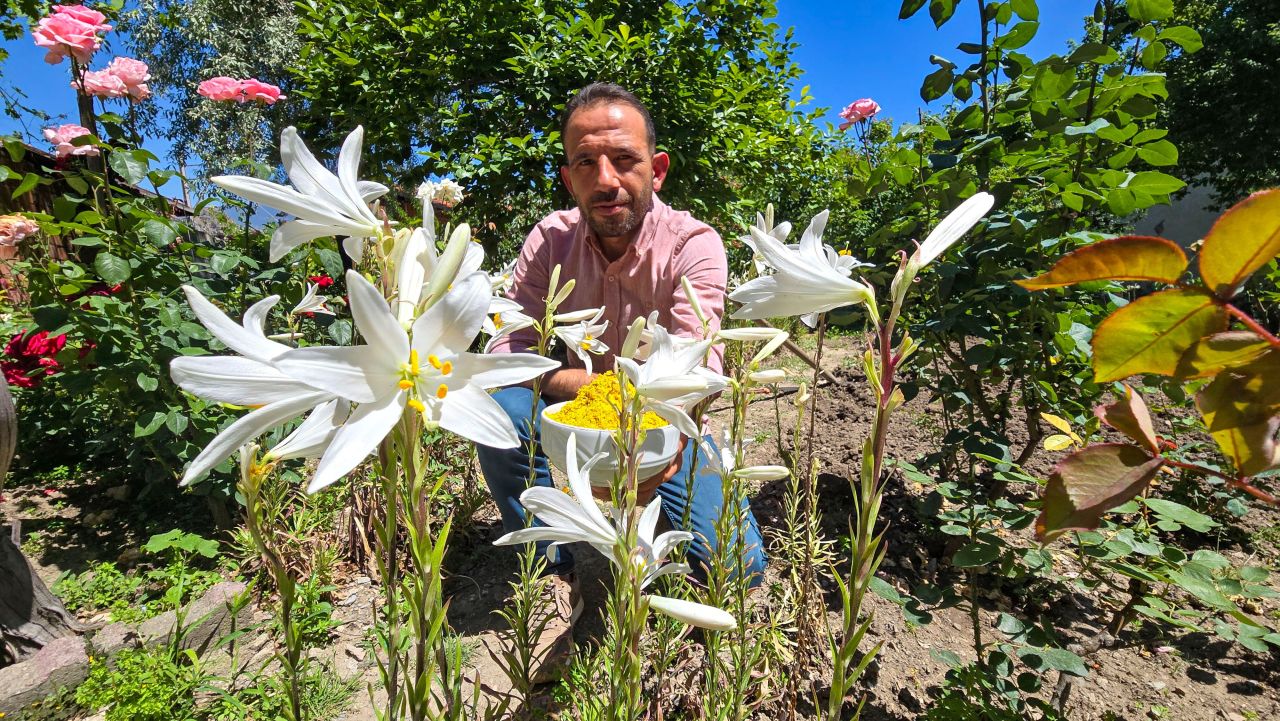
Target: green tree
[
  {"x": 186, "y": 41},
  {"x": 474, "y": 90},
  {"x": 1222, "y": 99}
]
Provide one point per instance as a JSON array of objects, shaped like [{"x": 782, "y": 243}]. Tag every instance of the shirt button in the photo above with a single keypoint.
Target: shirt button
[{"x": 613, "y": 279}]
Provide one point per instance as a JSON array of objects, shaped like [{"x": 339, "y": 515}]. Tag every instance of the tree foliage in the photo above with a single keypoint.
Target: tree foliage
[
  {"x": 474, "y": 90},
  {"x": 186, "y": 41},
  {"x": 1222, "y": 98}
]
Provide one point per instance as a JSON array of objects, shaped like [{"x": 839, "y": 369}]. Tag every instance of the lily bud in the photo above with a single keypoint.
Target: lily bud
[
  {"x": 563, "y": 294},
  {"x": 766, "y": 377},
  {"x": 632, "y": 341},
  {"x": 555, "y": 281},
  {"x": 450, "y": 260},
  {"x": 762, "y": 473},
  {"x": 693, "y": 302},
  {"x": 576, "y": 316},
  {"x": 750, "y": 334},
  {"x": 769, "y": 348}
]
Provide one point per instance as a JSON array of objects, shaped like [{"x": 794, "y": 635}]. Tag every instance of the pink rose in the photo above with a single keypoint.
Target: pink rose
[
  {"x": 62, "y": 136},
  {"x": 858, "y": 111},
  {"x": 71, "y": 30},
  {"x": 83, "y": 14},
  {"x": 13, "y": 228},
  {"x": 134, "y": 74},
  {"x": 102, "y": 84},
  {"x": 220, "y": 88},
  {"x": 252, "y": 89}
]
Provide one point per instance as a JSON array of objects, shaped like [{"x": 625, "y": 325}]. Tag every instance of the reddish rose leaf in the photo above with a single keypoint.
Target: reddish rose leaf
[
  {"x": 1090, "y": 482},
  {"x": 1213, "y": 354},
  {"x": 1241, "y": 409},
  {"x": 1151, "y": 334},
  {"x": 1129, "y": 415},
  {"x": 1132, "y": 257},
  {"x": 1241, "y": 241}
]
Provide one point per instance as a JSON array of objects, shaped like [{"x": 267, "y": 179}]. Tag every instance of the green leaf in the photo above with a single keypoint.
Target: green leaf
[
  {"x": 1026, "y": 9},
  {"x": 1180, "y": 514},
  {"x": 941, "y": 11},
  {"x": 936, "y": 84},
  {"x": 1155, "y": 183},
  {"x": 157, "y": 232},
  {"x": 1131, "y": 257},
  {"x": 340, "y": 331},
  {"x": 1018, "y": 35},
  {"x": 1148, "y": 10},
  {"x": 1241, "y": 409},
  {"x": 29, "y": 181},
  {"x": 1011, "y": 626},
  {"x": 111, "y": 268},
  {"x": 1202, "y": 589},
  {"x": 148, "y": 424},
  {"x": 176, "y": 422},
  {"x": 1160, "y": 153},
  {"x": 1184, "y": 37},
  {"x": 1243, "y": 239},
  {"x": 1151, "y": 334},
  {"x": 147, "y": 383},
  {"x": 975, "y": 554},
  {"x": 129, "y": 164},
  {"x": 1100, "y": 53},
  {"x": 1090, "y": 129},
  {"x": 909, "y": 8},
  {"x": 225, "y": 262},
  {"x": 1090, "y": 482},
  {"x": 1213, "y": 354},
  {"x": 1057, "y": 659}
]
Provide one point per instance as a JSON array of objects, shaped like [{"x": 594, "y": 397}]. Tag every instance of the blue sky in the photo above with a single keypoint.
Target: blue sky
[{"x": 848, "y": 49}]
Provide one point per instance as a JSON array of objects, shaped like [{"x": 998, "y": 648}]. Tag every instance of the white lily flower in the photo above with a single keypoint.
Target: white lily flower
[
  {"x": 582, "y": 338},
  {"x": 427, "y": 369},
  {"x": 249, "y": 379},
  {"x": 952, "y": 228},
  {"x": 312, "y": 302},
  {"x": 505, "y": 317},
  {"x": 805, "y": 281},
  {"x": 502, "y": 281},
  {"x": 574, "y": 516},
  {"x": 672, "y": 378},
  {"x": 312, "y": 436},
  {"x": 325, "y": 204}
]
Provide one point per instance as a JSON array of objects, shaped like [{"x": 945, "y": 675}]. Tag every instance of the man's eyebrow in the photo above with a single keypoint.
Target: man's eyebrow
[{"x": 621, "y": 149}]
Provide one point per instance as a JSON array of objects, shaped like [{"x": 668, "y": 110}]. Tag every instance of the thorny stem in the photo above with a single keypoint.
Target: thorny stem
[{"x": 1241, "y": 483}]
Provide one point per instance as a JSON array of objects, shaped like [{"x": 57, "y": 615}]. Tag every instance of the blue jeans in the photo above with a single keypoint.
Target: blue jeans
[{"x": 506, "y": 470}]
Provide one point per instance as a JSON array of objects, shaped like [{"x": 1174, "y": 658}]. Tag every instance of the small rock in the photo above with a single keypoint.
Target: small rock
[
  {"x": 113, "y": 638},
  {"x": 1157, "y": 685},
  {"x": 129, "y": 557},
  {"x": 206, "y": 620},
  {"x": 355, "y": 652},
  {"x": 119, "y": 493},
  {"x": 362, "y": 580},
  {"x": 93, "y": 520},
  {"x": 1233, "y": 716},
  {"x": 909, "y": 700},
  {"x": 349, "y": 599}
]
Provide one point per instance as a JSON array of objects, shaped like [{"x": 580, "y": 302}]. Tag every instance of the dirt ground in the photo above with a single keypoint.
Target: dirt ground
[{"x": 1185, "y": 676}]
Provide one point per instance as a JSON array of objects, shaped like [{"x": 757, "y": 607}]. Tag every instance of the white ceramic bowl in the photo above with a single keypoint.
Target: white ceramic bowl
[{"x": 659, "y": 447}]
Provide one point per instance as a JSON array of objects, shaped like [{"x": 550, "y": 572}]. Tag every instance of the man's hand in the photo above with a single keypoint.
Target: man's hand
[{"x": 646, "y": 489}]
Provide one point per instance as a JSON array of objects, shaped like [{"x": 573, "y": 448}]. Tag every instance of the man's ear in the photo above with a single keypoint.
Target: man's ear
[
  {"x": 566, "y": 179},
  {"x": 661, "y": 164}
]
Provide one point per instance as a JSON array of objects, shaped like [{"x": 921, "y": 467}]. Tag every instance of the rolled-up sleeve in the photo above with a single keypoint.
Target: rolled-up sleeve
[{"x": 701, "y": 259}]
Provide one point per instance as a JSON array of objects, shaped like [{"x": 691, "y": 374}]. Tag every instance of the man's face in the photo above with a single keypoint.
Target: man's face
[{"x": 610, "y": 171}]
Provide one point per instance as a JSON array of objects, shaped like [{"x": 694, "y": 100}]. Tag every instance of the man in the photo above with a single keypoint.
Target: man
[{"x": 627, "y": 251}]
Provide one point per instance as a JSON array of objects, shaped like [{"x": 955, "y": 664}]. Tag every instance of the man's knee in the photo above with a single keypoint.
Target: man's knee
[{"x": 517, "y": 403}]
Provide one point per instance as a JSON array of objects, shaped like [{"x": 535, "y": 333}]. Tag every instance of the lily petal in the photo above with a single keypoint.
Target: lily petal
[
  {"x": 357, "y": 439},
  {"x": 476, "y": 416},
  {"x": 233, "y": 379},
  {"x": 694, "y": 614},
  {"x": 248, "y": 427}
]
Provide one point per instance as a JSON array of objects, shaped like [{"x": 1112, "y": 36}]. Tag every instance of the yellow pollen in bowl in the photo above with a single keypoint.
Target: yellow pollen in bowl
[{"x": 596, "y": 406}]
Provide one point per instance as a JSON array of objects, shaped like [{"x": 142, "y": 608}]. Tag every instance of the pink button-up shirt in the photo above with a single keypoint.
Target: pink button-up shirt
[{"x": 670, "y": 244}]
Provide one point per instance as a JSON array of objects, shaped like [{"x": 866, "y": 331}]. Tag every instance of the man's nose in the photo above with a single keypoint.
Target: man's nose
[{"x": 606, "y": 174}]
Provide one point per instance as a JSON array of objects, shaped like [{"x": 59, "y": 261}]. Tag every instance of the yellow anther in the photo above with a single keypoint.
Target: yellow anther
[
  {"x": 846, "y": 251},
  {"x": 416, "y": 404},
  {"x": 497, "y": 321},
  {"x": 405, "y": 384},
  {"x": 446, "y": 368},
  {"x": 413, "y": 361},
  {"x": 442, "y": 391},
  {"x": 434, "y": 361}
]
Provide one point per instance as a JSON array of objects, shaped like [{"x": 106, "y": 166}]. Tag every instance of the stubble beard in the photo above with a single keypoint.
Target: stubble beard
[{"x": 624, "y": 223}]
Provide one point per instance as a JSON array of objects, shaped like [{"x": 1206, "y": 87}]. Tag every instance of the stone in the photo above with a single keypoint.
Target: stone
[
  {"x": 1157, "y": 685},
  {"x": 119, "y": 493},
  {"x": 206, "y": 620},
  {"x": 114, "y": 638},
  {"x": 62, "y": 662}
]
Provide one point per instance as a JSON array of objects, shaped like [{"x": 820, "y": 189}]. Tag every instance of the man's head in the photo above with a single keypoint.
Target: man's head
[{"x": 611, "y": 167}]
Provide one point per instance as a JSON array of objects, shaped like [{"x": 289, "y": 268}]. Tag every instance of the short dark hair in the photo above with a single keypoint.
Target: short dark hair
[{"x": 598, "y": 93}]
